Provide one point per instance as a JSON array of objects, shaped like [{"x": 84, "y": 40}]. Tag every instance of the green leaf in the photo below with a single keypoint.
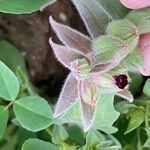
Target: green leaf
[
  {"x": 146, "y": 89},
  {"x": 72, "y": 115},
  {"x": 36, "y": 144},
  {"x": 3, "y": 120},
  {"x": 134, "y": 60},
  {"x": 33, "y": 113},
  {"x": 21, "y": 6},
  {"x": 94, "y": 137},
  {"x": 11, "y": 56},
  {"x": 141, "y": 18},
  {"x": 124, "y": 107},
  {"x": 25, "y": 84},
  {"x": 137, "y": 118},
  {"x": 137, "y": 80},
  {"x": 76, "y": 135},
  {"x": 105, "y": 113},
  {"x": 9, "y": 84},
  {"x": 59, "y": 134},
  {"x": 114, "y": 8}
]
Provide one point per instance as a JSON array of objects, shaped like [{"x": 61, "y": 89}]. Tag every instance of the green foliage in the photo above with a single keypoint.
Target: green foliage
[
  {"x": 9, "y": 88},
  {"x": 141, "y": 18},
  {"x": 137, "y": 118},
  {"x": 21, "y": 6},
  {"x": 11, "y": 56},
  {"x": 59, "y": 134},
  {"x": 33, "y": 113},
  {"x": 35, "y": 144},
  {"x": 146, "y": 88},
  {"x": 3, "y": 120},
  {"x": 104, "y": 119}
]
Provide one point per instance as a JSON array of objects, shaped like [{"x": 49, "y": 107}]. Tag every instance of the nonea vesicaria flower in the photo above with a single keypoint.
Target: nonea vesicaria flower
[{"x": 89, "y": 76}]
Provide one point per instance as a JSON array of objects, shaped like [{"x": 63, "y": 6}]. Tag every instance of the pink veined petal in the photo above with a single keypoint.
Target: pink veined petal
[
  {"x": 145, "y": 48},
  {"x": 68, "y": 96},
  {"x": 126, "y": 94},
  {"x": 64, "y": 55},
  {"x": 135, "y": 4},
  {"x": 87, "y": 91},
  {"x": 87, "y": 115},
  {"x": 70, "y": 37}
]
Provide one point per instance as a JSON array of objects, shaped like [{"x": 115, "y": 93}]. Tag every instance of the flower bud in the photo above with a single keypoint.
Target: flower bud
[
  {"x": 125, "y": 30},
  {"x": 105, "y": 47}
]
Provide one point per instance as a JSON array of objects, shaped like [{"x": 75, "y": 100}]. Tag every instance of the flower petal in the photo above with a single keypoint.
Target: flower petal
[
  {"x": 126, "y": 94},
  {"x": 68, "y": 96},
  {"x": 145, "y": 48},
  {"x": 70, "y": 37},
  {"x": 135, "y": 4},
  {"x": 64, "y": 55},
  {"x": 87, "y": 114},
  {"x": 88, "y": 98}
]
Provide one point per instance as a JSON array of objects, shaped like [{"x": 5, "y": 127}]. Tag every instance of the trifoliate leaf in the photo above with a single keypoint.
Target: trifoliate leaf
[
  {"x": 21, "y": 6},
  {"x": 9, "y": 84},
  {"x": 36, "y": 144},
  {"x": 33, "y": 113}
]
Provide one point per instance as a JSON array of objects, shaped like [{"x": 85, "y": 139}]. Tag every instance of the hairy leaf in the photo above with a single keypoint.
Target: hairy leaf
[
  {"x": 93, "y": 15},
  {"x": 67, "y": 96},
  {"x": 141, "y": 18},
  {"x": 71, "y": 38},
  {"x": 105, "y": 114}
]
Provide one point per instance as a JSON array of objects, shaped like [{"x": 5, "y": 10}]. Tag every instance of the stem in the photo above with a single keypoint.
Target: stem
[
  {"x": 146, "y": 117},
  {"x": 9, "y": 105},
  {"x": 48, "y": 131}
]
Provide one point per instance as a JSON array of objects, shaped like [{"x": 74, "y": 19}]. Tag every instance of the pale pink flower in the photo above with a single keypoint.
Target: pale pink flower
[
  {"x": 145, "y": 48},
  {"x": 144, "y": 41},
  {"x": 87, "y": 77},
  {"x": 135, "y": 4}
]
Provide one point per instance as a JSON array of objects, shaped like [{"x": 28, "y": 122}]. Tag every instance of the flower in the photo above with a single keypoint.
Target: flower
[
  {"x": 144, "y": 39},
  {"x": 88, "y": 76},
  {"x": 135, "y": 4},
  {"x": 145, "y": 48}
]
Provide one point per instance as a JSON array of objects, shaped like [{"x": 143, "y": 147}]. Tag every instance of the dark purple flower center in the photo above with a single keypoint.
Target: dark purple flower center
[{"x": 121, "y": 81}]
